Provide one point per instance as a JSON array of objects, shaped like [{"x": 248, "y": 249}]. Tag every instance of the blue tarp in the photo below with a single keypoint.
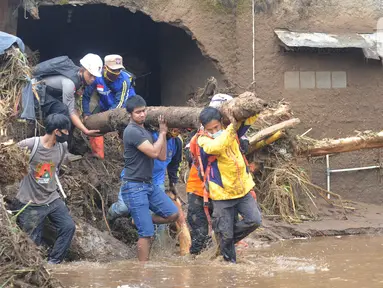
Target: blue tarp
[{"x": 7, "y": 40}]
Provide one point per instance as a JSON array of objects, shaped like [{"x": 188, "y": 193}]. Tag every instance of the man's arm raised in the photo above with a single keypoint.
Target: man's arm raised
[{"x": 158, "y": 149}]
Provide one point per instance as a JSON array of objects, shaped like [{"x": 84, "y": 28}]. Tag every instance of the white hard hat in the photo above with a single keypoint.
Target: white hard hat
[
  {"x": 92, "y": 63},
  {"x": 219, "y": 99}
]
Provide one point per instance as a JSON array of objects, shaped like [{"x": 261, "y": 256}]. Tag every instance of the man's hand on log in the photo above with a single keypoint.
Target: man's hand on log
[
  {"x": 163, "y": 125},
  {"x": 93, "y": 133}
]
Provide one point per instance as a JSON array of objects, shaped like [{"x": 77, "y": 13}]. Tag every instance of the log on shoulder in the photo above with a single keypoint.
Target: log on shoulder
[{"x": 243, "y": 106}]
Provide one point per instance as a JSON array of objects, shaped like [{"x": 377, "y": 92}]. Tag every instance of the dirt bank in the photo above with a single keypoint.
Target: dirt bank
[{"x": 365, "y": 219}]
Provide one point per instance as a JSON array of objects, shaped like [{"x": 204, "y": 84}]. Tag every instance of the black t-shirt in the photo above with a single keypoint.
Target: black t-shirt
[{"x": 138, "y": 166}]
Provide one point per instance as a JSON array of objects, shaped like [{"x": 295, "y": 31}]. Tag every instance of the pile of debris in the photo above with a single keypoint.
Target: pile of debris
[
  {"x": 13, "y": 163},
  {"x": 14, "y": 74},
  {"x": 21, "y": 263}
]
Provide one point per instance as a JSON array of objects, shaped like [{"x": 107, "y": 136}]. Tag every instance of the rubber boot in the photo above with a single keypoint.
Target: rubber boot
[{"x": 97, "y": 146}]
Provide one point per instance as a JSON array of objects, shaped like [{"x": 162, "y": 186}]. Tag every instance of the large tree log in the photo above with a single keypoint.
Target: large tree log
[
  {"x": 314, "y": 148},
  {"x": 243, "y": 106}
]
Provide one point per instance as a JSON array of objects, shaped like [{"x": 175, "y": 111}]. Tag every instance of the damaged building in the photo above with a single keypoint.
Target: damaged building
[{"x": 318, "y": 55}]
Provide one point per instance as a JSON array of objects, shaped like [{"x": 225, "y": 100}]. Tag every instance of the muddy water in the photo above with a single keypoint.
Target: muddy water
[{"x": 344, "y": 262}]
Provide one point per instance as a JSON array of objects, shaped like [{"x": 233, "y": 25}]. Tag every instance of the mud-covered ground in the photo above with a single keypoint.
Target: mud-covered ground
[{"x": 365, "y": 219}]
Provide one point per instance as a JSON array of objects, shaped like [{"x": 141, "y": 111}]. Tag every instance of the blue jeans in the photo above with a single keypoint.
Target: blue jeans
[
  {"x": 118, "y": 208},
  {"x": 141, "y": 198}
]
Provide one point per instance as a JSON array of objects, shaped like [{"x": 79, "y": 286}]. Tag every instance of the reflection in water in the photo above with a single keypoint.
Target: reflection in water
[{"x": 345, "y": 262}]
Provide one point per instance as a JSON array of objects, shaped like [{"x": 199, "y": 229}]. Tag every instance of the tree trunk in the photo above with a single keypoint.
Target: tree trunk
[
  {"x": 243, "y": 106},
  {"x": 270, "y": 131},
  {"x": 329, "y": 146}
]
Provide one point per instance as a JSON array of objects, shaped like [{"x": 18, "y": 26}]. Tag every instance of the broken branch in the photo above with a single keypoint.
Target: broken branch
[
  {"x": 330, "y": 146},
  {"x": 271, "y": 130}
]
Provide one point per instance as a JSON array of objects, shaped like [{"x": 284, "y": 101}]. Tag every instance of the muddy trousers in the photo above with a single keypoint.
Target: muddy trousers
[
  {"x": 31, "y": 220},
  {"x": 199, "y": 226},
  {"x": 227, "y": 229}
]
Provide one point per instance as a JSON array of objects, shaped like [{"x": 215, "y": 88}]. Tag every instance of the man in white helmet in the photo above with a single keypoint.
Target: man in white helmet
[
  {"x": 219, "y": 99},
  {"x": 58, "y": 80},
  {"x": 114, "y": 87}
]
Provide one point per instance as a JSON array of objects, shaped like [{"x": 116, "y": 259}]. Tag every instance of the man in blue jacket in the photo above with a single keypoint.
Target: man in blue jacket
[
  {"x": 171, "y": 165},
  {"x": 114, "y": 87}
]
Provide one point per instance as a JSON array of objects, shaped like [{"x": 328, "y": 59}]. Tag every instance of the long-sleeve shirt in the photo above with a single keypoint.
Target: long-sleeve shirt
[
  {"x": 60, "y": 86},
  {"x": 235, "y": 184},
  {"x": 112, "y": 94}
]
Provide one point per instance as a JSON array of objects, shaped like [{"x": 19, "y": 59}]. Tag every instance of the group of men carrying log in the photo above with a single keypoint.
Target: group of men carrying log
[{"x": 219, "y": 185}]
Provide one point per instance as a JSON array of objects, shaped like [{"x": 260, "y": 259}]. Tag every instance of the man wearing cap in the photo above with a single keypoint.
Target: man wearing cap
[{"x": 114, "y": 87}]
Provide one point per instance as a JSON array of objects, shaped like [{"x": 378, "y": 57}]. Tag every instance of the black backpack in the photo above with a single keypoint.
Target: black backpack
[{"x": 58, "y": 66}]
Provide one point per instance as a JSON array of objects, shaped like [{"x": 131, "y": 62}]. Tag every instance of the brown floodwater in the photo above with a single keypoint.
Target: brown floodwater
[{"x": 342, "y": 262}]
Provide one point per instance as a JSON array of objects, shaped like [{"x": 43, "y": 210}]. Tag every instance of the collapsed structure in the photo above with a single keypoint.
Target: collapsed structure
[{"x": 284, "y": 187}]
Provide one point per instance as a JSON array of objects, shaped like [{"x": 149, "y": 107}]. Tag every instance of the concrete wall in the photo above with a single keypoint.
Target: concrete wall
[
  {"x": 331, "y": 112},
  {"x": 8, "y": 19},
  {"x": 183, "y": 69},
  {"x": 210, "y": 22},
  {"x": 187, "y": 58},
  {"x": 3, "y": 14}
]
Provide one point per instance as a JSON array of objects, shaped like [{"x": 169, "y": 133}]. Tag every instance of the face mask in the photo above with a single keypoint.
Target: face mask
[
  {"x": 110, "y": 74},
  {"x": 216, "y": 134},
  {"x": 63, "y": 138},
  {"x": 173, "y": 133}
]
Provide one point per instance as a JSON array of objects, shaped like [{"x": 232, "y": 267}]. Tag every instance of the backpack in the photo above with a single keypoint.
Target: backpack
[{"x": 58, "y": 66}]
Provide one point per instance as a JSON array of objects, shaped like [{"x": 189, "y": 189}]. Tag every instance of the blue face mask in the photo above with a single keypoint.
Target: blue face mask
[{"x": 216, "y": 134}]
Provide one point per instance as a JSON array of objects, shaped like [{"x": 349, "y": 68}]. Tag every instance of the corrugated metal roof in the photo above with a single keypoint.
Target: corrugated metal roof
[{"x": 367, "y": 42}]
